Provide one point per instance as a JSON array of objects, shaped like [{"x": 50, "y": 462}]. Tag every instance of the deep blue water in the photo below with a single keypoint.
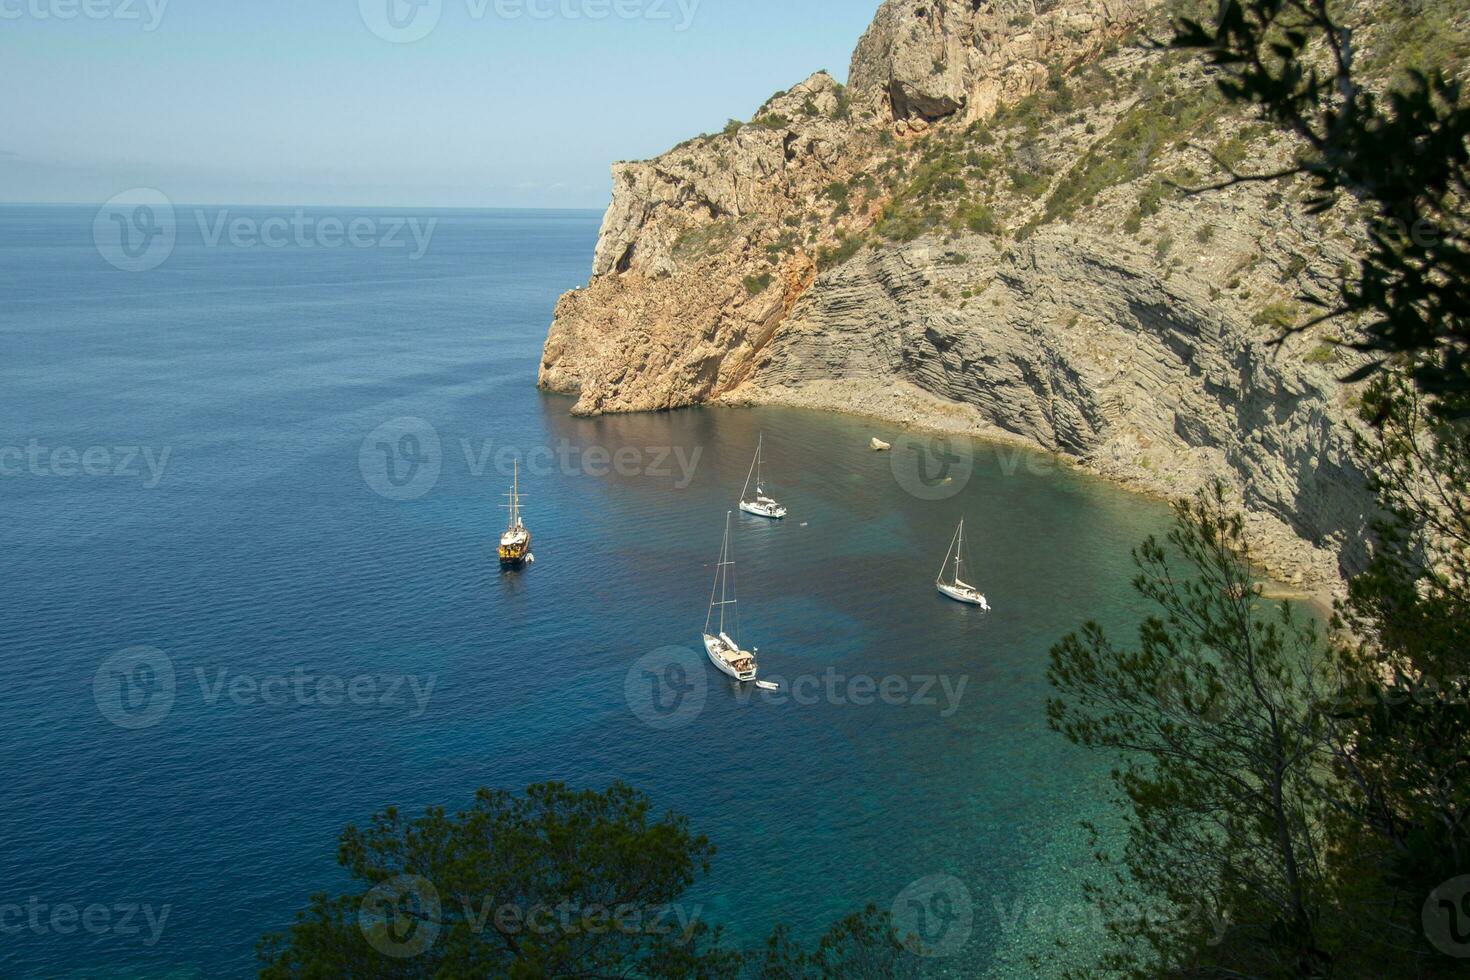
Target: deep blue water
[{"x": 259, "y": 547}]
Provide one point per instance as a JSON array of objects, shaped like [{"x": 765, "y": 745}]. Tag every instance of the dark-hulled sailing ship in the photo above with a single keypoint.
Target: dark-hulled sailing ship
[{"x": 515, "y": 543}]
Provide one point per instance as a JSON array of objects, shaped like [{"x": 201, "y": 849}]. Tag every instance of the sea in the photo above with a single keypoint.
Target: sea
[{"x": 251, "y": 469}]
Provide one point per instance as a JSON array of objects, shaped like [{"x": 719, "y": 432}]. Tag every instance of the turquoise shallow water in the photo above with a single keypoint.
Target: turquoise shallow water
[{"x": 272, "y": 546}]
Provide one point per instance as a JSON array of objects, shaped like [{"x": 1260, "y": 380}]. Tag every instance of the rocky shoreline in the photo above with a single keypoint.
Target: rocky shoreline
[
  {"x": 1297, "y": 570},
  {"x": 979, "y": 236}
]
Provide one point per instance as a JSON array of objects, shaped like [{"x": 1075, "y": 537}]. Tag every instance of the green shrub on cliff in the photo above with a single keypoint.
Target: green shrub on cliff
[
  {"x": 1234, "y": 150},
  {"x": 843, "y": 109},
  {"x": 846, "y": 248},
  {"x": 1130, "y": 150},
  {"x": 1151, "y": 201},
  {"x": 703, "y": 240},
  {"x": 1029, "y": 184},
  {"x": 755, "y": 285},
  {"x": 1422, "y": 35},
  {"x": 1321, "y": 354},
  {"x": 978, "y": 218},
  {"x": 938, "y": 176},
  {"x": 1279, "y": 316},
  {"x": 904, "y": 224},
  {"x": 782, "y": 246}
]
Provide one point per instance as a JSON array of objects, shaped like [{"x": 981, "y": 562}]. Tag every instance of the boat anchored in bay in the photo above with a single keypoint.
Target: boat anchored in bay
[
  {"x": 723, "y": 649},
  {"x": 956, "y": 587},
  {"x": 763, "y": 505},
  {"x": 515, "y": 543}
]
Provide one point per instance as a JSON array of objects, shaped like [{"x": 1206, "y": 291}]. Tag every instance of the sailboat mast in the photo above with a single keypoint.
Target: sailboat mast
[
  {"x": 514, "y": 507},
  {"x": 721, "y": 585},
  {"x": 959, "y": 553},
  {"x": 713, "y": 588},
  {"x": 944, "y": 567},
  {"x": 745, "y": 493},
  {"x": 724, "y": 573}
]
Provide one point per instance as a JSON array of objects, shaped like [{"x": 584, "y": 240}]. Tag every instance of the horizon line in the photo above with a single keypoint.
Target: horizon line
[{"x": 375, "y": 207}]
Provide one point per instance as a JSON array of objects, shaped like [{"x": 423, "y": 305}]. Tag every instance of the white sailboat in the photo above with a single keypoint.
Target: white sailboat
[
  {"x": 724, "y": 651},
  {"x": 763, "y": 505},
  {"x": 955, "y": 586}
]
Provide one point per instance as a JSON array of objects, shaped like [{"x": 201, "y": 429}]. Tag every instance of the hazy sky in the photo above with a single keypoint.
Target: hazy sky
[{"x": 503, "y": 103}]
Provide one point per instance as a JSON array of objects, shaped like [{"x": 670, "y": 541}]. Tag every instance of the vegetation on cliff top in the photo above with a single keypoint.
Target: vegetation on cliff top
[
  {"x": 1109, "y": 143},
  {"x": 1402, "y": 149}
]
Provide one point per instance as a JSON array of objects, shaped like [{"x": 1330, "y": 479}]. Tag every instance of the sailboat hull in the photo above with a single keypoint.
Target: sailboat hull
[
  {"x": 963, "y": 593},
  {"x": 772, "y": 511},
  {"x": 515, "y": 550},
  {"x": 730, "y": 660}
]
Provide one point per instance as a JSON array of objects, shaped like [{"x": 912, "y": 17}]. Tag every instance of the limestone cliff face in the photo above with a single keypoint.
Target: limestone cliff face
[
  {"x": 973, "y": 236},
  {"x": 667, "y": 319},
  {"x": 956, "y": 58},
  {"x": 1076, "y": 345}
]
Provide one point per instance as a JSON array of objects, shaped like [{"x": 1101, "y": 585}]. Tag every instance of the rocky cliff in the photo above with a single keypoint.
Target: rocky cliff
[{"x": 982, "y": 233}]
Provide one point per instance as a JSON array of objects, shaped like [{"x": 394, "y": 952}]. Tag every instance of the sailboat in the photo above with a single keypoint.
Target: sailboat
[
  {"x": 955, "y": 586},
  {"x": 515, "y": 543},
  {"x": 724, "y": 651},
  {"x": 763, "y": 505}
]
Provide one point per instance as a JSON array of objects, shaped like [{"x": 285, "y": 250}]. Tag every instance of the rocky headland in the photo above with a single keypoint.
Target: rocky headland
[{"x": 984, "y": 232}]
